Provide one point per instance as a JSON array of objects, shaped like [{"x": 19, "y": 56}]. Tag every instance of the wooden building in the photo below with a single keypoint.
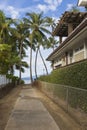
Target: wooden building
[{"x": 73, "y": 26}]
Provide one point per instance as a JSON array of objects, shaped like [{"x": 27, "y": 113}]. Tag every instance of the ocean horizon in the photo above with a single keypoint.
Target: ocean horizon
[{"x": 27, "y": 79}]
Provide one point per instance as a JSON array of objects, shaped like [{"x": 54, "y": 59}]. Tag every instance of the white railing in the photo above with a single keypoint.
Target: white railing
[
  {"x": 57, "y": 63},
  {"x": 4, "y": 80}
]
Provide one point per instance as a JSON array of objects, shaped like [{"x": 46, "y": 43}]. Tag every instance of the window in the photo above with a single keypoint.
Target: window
[
  {"x": 71, "y": 57},
  {"x": 79, "y": 48},
  {"x": 71, "y": 54}
]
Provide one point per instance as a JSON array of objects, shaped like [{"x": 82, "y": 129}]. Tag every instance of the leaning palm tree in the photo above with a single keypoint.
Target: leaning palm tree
[
  {"x": 20, "y": 34},
  {"x": 40, "y": 40},
  {"x": 36, "y": 24}
]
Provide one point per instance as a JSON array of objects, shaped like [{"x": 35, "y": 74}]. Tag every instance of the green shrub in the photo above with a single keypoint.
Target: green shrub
[
  {"x": 22, "y": 82},
  {"x": 74, "y": 75}
]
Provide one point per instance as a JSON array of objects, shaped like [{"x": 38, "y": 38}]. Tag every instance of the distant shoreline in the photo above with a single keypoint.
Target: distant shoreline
[{"x": 27, "y": 79}]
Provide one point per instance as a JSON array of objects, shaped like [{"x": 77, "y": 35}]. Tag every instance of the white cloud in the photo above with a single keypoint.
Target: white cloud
[
  {"x": 59, "y": 1},
  {"x": 56, "y": 19},
  {"x": 9, "y": 10},
  {"x": 53, "y": 2},
  {"x": 42, "y": 7},
  {"x": 52, "y": 7},
  {"x": 48, "y": 1},
  {"x": 49, "y": 5},
  {"x": 36, "y": 0},
  {"x": 13, "y": 12},
  {"x": 69, "y": 6}
]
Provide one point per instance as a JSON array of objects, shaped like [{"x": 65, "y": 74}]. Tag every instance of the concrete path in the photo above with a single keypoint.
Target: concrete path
[{"x": 30, "y": 114}]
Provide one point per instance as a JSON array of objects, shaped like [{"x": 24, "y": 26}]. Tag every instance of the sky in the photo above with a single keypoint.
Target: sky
[{"x": 51, "y": 8}]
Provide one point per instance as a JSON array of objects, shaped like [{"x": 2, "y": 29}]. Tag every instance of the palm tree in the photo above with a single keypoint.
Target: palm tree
[
  {"x": 52, "y": 23},
  {"x": 40, "y": 41},
  {"x": 86, "y": 8},
  {"x": 5, "y": 28},
  {"x": 51, "y": 43},
  {"x": 31, "y": 44},
  {"x": 5, "y": 35},
  {"x": 13, "y": 44},
  {"x": 5, "y": 53},
  {"x": 74, "y": 9},
  {"x": 2, "y": 21},
  {"x": 37, "y": 25},
  {"x": 21, "y": 33}
]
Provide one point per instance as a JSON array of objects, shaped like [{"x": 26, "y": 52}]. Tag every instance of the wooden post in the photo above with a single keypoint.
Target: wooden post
[
  {"x": 66, "y": 58},
  {"x": 60, "y": 39},
  {"x": 70, "y": 28}
]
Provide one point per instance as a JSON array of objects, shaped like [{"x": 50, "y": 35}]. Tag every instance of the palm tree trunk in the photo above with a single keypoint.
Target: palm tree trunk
[
  {"x": 20, "y": 63},
  {"x": 19, "y": 74},
  {"x": 43, "y": 61},
  {"x": 36, "y": 62},
  {"x": 31, "y": 64}
]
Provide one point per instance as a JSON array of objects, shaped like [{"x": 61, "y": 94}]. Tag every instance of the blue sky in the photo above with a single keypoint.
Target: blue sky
[{"x": 52, "y": 8}]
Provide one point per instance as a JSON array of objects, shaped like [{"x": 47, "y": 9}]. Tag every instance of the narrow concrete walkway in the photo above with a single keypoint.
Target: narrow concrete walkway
[{"x": 30, "y": 114}]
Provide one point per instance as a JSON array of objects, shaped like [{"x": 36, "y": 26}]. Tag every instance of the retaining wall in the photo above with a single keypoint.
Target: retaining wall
[{"x": 72, "y": 100}]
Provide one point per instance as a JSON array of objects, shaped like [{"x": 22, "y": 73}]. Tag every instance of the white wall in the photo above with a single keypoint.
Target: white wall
[{"x": 4, "y": 80}]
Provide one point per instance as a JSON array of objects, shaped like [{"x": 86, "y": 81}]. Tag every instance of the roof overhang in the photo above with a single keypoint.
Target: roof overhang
[
  {"x": 75, "y": 18},
  {"x": 77, "y": 35},
  {"x": 82, "y": 3},
  {"x": 75, "y": 40}
]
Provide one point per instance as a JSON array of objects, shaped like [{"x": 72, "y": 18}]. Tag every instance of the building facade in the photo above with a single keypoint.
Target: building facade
[{"x": 73, "y": 26}]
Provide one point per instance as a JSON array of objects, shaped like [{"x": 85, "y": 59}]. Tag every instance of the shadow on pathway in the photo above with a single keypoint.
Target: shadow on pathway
[{"x": 29, "y": 113}]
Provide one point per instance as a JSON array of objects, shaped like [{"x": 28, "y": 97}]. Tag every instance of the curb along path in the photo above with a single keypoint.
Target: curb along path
[{"x": 30, "y": 114}]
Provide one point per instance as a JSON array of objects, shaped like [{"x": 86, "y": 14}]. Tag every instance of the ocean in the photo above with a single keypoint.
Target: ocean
[{"x": 27, "y": 79}]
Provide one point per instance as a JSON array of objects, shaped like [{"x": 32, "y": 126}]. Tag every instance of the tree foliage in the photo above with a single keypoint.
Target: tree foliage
[
  {"x": 11, "y": 37},
  {"x": 18, "y": 35}
]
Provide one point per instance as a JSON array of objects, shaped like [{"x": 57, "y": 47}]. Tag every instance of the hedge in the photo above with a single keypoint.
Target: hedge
[{"x": 74, "y": 75}]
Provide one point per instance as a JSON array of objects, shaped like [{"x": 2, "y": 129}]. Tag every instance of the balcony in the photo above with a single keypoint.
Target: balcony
[
  {"x": 82, "y": 3},
  {"x": 59, "y": 63}
]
